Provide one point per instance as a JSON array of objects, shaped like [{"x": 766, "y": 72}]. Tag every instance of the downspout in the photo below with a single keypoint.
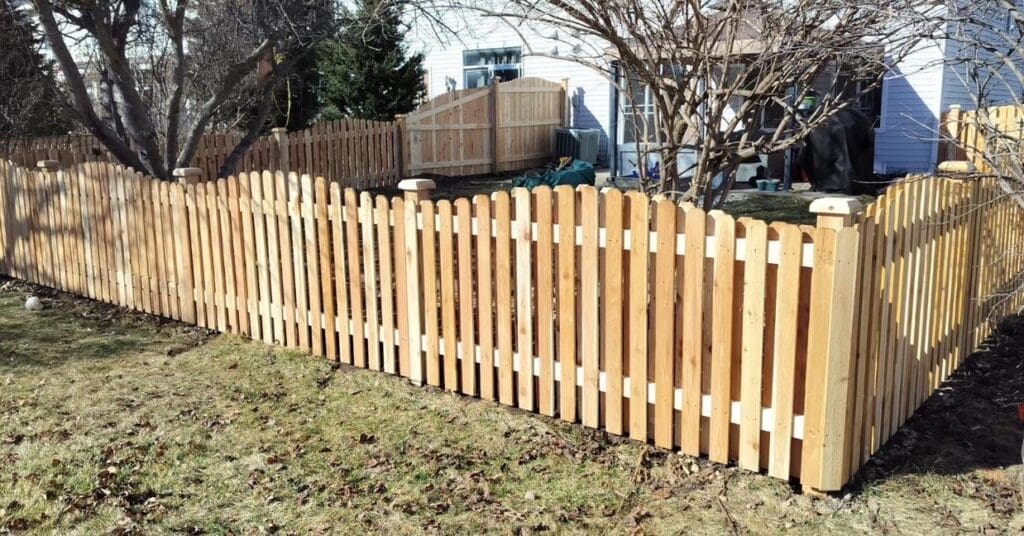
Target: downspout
[{"x": 613, "y": 129}]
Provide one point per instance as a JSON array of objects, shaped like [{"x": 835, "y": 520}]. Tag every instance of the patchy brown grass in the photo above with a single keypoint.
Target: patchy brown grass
[{"x": 115, "y": 421}]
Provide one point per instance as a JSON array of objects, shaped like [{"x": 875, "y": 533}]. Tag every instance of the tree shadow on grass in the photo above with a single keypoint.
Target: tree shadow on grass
[
  {"x": 969, "y": 424},
  {"x": 71, "y": 329}
]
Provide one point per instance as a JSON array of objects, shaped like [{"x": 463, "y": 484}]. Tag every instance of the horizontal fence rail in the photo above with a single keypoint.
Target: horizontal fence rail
[{"x": 651, "y": 319}]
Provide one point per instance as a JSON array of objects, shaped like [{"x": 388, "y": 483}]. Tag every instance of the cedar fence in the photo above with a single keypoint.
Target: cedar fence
[
  {"x": 990, "y": 138},
  {"x": 779, "y": 346},
  {"x": 507, "y": 126}
]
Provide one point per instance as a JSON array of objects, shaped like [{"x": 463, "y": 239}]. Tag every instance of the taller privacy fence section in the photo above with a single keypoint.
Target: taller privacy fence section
[
  {"x": 507, "y": 126},
  {"x": 656, "y": 320}
]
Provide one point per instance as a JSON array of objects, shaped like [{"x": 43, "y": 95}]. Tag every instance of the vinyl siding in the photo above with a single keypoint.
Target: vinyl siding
[
  {"x": 911, "y": 103},
  {"x": 1001, "y": 85}
]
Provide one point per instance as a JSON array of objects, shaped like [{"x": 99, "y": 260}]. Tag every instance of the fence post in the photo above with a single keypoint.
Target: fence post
[
  {"x": 951, "y": 127},
  {"x": 416, "y": 190},
  {"x": 400, "y": 150},
  {"x": 280, "y": 136},
  {"x": 187, "y": 178},
  {"x": 566, "y": 104},
  {"x": 829, "y": 386},
  {"x": 495, "y": 125}
]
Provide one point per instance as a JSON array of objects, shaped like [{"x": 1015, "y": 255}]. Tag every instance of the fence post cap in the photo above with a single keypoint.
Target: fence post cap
[
  {"x": 279, "y": 130},
  {"x": 48, "y": 165},
  {"x": 836, "y": 206},
  {"x": 835, "y": 212},
  {"x": 416, "y": 185},
  {"x": 956, "y": 166},
  {"x": 187, "y": 175}
]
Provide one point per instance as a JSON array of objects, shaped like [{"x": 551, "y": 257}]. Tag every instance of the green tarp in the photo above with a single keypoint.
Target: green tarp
[{"x": 579, "y": 172}]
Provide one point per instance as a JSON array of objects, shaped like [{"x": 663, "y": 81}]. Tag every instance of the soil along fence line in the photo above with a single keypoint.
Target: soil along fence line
[{"x": 654, "y": 320}]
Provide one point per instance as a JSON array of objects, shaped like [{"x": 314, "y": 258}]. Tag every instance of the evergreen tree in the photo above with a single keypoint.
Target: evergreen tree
[
  {"x": 31, "y": 104},
  {"x": 366, "y": 72}
]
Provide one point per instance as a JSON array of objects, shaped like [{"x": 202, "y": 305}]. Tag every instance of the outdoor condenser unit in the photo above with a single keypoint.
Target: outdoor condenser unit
[{"x": 578, "y": 143}]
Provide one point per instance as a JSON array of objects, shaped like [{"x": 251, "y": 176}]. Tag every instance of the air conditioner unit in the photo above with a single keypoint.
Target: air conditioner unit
[{"x": 578, "y": 143}]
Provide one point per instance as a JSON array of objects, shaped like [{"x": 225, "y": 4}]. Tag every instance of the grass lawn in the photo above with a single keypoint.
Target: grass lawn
[{"x": 116, "y": 421}]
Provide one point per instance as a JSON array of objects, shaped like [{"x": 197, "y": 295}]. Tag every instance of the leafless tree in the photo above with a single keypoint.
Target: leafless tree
[
  {"x": 148, "y": 77},
  {"x": 728, "y": 77},
  {"x": 987, "y": 58}
]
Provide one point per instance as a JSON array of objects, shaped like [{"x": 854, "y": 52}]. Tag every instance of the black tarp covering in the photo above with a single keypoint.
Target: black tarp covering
[{"x": 839, "y": 155}]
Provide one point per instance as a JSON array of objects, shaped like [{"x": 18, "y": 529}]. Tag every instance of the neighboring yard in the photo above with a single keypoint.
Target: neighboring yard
[{"x": 119, "y": 421}]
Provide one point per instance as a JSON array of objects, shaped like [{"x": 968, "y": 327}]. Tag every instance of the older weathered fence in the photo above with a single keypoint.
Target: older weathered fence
[
  {"x": 353, "y": 152},
  {"x": 734, "y": 338}
]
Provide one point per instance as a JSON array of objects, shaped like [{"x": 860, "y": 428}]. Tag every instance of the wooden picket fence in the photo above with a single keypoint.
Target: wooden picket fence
[
  {"x": 655, "y": 320},
  {"x": 992, "y": 139},
  {"x": 942, "y": 263}
]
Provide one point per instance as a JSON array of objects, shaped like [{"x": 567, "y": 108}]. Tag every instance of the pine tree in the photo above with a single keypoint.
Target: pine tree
[
  {"x": 366, "y": 72},
  {"x": 31, "y": 104}
]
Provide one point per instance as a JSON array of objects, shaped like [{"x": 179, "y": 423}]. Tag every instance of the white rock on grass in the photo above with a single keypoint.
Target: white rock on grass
[{"x": 33, "y": 304}]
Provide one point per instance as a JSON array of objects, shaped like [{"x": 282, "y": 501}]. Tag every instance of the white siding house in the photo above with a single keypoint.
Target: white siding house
[
  {"x": 456, "y": 62},
  {"x": 915, "y": 92},
  {"x": 918, "y": 90}
]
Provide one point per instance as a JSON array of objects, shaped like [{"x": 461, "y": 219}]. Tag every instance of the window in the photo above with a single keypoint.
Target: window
[
  {"x": 481, "y": 66},
  {"x": 638, "y": 114}
]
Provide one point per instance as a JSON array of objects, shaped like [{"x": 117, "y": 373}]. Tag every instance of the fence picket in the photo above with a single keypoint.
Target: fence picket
[
  {"x": 612, "y": 309},
  {"x": 431, "y": 305},
  {"x": 636, "y": 340},
  {"x": 566, "y": 217},
  {"x": 467, "y": 339},
  {"x": 485, "y": 293},
  {"x": 448, "y": 326},
  {"x": 503, "y": 297}
]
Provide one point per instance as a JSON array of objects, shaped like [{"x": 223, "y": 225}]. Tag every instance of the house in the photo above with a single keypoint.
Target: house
[{"x": 906, "y": 108}]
